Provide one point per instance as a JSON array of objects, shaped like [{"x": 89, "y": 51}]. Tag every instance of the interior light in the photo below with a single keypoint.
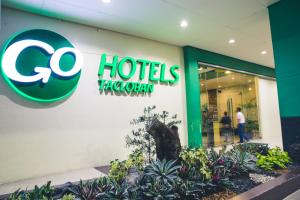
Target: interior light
[
  {"x": 250, "y": 88},
  {"x": 232, "y": 78},
  {"x": 184, "y": 23},
  {"x": 201, "y": 68},
  {"x": 106, "y": 1},
  {"x": 202, "y": 84},
  {"x": 264, "y": 52},
  {"x": 227, "y": 72},
  {"x": 219, "y": 86},
  {"x": 231, "y": 41},
  {"x": 249, "y": 81}
]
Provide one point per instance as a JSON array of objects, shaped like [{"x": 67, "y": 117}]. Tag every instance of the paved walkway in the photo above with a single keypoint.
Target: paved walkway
[
  {"x": 56, "y": 179},
  {"x": 294, "y": 196}
]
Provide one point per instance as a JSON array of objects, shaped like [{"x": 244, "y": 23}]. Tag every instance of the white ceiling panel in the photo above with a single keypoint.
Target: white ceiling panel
[{"x": 211, "y": 22}]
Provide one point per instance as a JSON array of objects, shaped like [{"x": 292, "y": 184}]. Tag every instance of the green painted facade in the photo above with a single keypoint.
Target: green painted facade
[
  {"x": 192, "y": 84},
  {"x": 192, "y": 56},
  {"x": 285, "y": 28}
]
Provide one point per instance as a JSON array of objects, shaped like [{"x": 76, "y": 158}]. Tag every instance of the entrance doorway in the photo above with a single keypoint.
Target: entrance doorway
[{"x": 224, "y": 91}]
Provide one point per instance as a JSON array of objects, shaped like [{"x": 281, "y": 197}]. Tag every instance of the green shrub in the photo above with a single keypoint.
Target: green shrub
[
  {"x": 136, "y": 159},
  {"x": 118, "y": 191},
  {"x": 119, "y": 169},
  {"x": 45, "y": 192},
  {"x": 276, "y": 158},
  {"x": 221, "y": 165},
  {"x": 192, "y": 185},
  {"x": 68, "y": 197},
  {"x": 198, "y": 159},
  {"x": 253, "y": 148},
  {"x": 102, "y": 188},
  {"x": 17, "y": 195},
  {"x": 103, "y": 185},
  {"x": 85, "y": 190},
  {"x": 157, "y": 190}
]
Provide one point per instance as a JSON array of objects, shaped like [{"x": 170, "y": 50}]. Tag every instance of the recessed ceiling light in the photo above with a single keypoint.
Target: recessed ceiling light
[
  {"x": 184, "y": 23},
  {"x": 231, "y": 41},
  {"x": 263, "y": 52},
  {"x": 106, "y": 1}
]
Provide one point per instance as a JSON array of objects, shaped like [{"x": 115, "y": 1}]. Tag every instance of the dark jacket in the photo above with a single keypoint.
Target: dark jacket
[{"x": 226, "y": 122}]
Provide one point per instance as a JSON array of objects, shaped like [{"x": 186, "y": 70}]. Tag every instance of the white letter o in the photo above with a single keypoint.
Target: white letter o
[{"x": 54, "y": 62}]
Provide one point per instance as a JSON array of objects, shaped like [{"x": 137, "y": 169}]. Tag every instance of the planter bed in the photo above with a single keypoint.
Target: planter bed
[{"x": 198, "y": 174}]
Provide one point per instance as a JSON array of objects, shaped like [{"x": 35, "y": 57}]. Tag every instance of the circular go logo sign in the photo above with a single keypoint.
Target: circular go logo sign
[{"x": 41, "y": 65}]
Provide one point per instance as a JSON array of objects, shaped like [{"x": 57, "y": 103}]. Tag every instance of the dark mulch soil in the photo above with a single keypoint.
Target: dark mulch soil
[
  {"x": 227, "y": 194},
  {"x": 242, "y": 184}
]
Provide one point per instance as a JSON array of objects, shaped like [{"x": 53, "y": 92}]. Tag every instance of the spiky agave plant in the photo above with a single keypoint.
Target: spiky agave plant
[
  {"x": 243, "y": 162},
  {"x": 163, "y": 171}
]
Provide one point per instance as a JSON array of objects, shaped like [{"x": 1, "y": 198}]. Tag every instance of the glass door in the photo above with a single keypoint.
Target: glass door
[{"x": 222, "y": 92}]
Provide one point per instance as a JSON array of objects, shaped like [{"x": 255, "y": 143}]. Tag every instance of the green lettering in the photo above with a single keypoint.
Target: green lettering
[
  {"x": 129, "y": 86},
  {"x": 174, "y": 74},
  {"x": 132, "y": 69},
  {"x": 122, "y": 86},
  {"x": 144, "y": 63},
  {"x": 143, "y": 88},
  {"x": 104, "y": 64},
  {"x": 101, "y": 84},
  {"x": 116, "y": 87},
  {"x": 153, "y": 71},
  {"x": 162, "y": 74},
  {"x": 150, "y": 88},
  {"x": 137, "y": 87},
  {"x": 109, "y": 85}
]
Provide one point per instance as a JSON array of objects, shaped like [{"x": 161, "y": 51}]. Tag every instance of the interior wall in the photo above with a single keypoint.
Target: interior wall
[
  {"x": 270, "y": 125},
  {"x": 88, "y": 129}
]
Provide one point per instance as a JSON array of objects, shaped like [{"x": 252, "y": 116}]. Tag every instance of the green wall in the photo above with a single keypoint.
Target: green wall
[
  {"x": 192, "y": 84},
  {"x": 191, "y": 58},
  {"x": 285, "y": 28}
]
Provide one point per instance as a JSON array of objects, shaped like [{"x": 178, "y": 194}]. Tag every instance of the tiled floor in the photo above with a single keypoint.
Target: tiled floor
[{"x": 56, "y": 179}]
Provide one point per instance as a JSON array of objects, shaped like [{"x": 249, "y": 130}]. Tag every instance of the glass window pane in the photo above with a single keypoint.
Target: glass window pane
[{"x": 222, "y": 92}]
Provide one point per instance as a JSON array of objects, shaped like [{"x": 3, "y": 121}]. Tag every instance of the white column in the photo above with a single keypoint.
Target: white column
[{"x": 269, "y": 117}]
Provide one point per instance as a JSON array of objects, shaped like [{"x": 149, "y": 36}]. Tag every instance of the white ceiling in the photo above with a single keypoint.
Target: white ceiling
[{"x": 211, "y": 22}]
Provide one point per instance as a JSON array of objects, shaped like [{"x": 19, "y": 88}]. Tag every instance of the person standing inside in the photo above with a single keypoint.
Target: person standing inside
[
  {"x": 226, "y": 127},
  {"x": 241, "y": 124}
]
